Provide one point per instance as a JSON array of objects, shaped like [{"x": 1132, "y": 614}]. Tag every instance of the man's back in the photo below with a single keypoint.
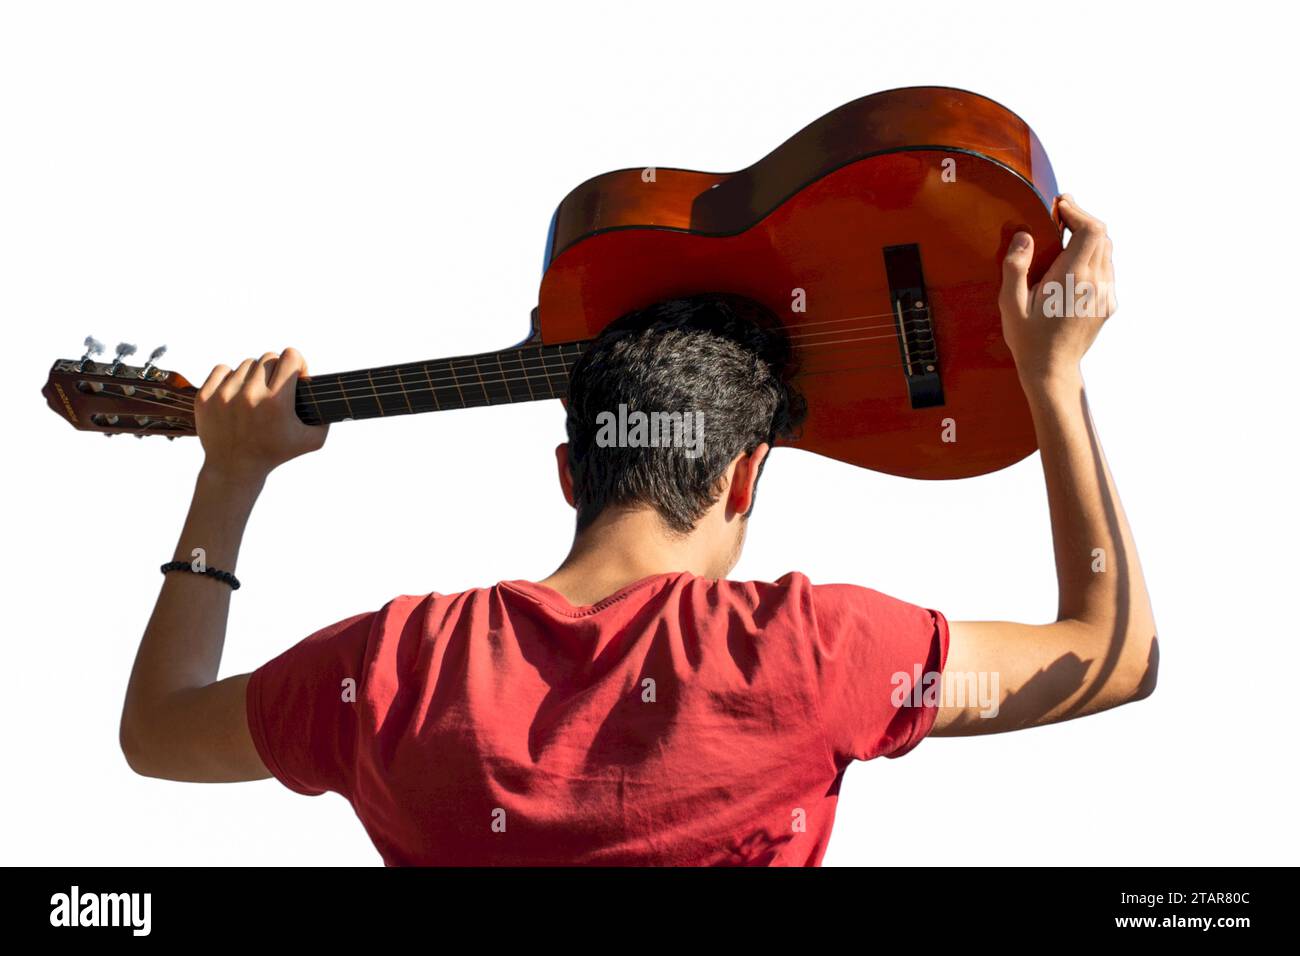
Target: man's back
[{"x": 680, "y": 720}]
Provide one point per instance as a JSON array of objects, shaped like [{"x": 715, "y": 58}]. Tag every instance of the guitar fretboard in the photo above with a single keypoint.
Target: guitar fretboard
[{"x": 527, "y": 373}]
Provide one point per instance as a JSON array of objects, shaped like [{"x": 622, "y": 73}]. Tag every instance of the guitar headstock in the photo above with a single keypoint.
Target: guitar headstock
[{"x": 114, "y": 398}]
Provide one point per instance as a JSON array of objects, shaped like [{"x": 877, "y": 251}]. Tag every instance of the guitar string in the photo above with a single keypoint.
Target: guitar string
[
  {"x": 535, "y": 368},
  {"x": 371, "y": 391},
  {"x": 501, "y": 377},
  {"x": 185, "y": 403},
  {"x": 826, "y": 371},
  {"x": 390, "y": 374},
  {"x": 377, "y": 386},
  {"x": 361, "y": 376}
]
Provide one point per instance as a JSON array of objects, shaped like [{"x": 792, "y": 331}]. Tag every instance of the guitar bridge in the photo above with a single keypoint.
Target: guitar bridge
[{"x": 913, "y": 325}]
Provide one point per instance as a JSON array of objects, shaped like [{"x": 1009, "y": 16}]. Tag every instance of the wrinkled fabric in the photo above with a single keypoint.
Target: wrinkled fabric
[{"x": 680, "y": 721}]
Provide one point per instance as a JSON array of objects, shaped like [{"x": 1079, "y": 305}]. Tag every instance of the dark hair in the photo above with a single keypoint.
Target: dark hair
[{"x": 721, "y": 359}]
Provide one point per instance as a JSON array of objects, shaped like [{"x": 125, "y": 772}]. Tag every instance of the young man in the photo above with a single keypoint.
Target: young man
[{"x": 636, "y": 707}]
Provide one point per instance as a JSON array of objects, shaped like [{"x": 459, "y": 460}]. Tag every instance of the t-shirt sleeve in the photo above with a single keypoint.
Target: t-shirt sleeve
[
  {"x": 303, "y": 708},
  {"x": 877, "y": 662}
]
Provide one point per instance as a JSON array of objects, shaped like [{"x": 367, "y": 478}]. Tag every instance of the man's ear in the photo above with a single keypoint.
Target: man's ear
[
  {"x": 744, "y": 479},
  {"x": 566, "y": 475}
]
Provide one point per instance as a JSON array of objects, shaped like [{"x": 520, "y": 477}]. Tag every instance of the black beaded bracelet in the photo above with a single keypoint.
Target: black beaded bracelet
[{"x": 225, "y": 577}]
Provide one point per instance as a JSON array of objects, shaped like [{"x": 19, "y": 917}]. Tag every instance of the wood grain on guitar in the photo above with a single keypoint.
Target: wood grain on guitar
[{"x": 875, "y": 234}]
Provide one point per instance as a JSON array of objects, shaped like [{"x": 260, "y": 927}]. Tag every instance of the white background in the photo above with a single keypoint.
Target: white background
[{"x": 371, "y": 182}]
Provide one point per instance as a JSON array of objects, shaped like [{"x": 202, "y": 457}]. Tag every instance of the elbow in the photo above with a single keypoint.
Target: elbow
[
  {"x": 1146, "y": 683},
  {"x": 130, "y": 744},
  {"x": 134, "y": 748}
]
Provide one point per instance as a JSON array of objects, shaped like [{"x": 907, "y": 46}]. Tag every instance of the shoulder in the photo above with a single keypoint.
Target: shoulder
[
  {"x": 405, "y": 617},
  {"x": 795, "y": 585},
  {"x": 826, "y": 605},
  {"x": 789, "y": 596}
]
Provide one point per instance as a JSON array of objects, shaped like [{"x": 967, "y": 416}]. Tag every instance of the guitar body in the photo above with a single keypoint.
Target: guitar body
[{"x": 943, "y": 175}]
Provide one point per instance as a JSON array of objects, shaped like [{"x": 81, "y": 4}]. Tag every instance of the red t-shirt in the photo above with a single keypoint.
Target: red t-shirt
[{"x": 680, "y": 721}]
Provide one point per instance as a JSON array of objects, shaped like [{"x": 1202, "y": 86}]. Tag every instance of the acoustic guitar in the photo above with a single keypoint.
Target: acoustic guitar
[{"x": 875, "y": 234}]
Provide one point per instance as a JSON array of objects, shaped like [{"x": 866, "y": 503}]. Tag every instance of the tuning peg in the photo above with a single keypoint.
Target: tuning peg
[
  {"x": 124, "y": 350},
  {"x": 156, "y": 354},
  {"x": 93, "y": 347}
]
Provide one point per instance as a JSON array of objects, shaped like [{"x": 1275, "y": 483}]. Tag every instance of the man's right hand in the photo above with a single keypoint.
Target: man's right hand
[
  {"x": 246, "y": 419},
  {"x": 1050, "y": 325}
]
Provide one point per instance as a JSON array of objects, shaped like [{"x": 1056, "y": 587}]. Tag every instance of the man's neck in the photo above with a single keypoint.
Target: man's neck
[{"x": 622, "y": 547}]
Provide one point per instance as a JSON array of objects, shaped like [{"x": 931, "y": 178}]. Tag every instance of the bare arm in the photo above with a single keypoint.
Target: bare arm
[
  {"x": 178, "y": 720},
  {"x": 1101, "y": 651}
]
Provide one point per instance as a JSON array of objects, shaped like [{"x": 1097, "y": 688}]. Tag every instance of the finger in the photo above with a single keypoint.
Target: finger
[
  {"x": 1099, "y": 252},
  {"x": 1107, "y": 273},
  {"x": 259, "y": 377},
  {"x": 235, "y": 380},
  {"x": 1086, "y": 231},
  {"x": 1015, "y": 274},
  {"x": 290, "y": 366},
  {"x": 1086, "y": 249},
  {"x": 1101, "y": 259},
  {"x": 1075, "y": 215},
  {"x": 213, "y": 382}
]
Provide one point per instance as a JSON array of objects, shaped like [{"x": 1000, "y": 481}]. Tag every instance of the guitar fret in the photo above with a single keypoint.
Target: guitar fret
[
  {"x": 450, "y": 394},
  {"x": 528, "y": 379},
  {"x": 509, "y": 380},
  {"x": 550, "y": 380},
  {"x": 451, "y": 369},
  {"x": 495, "y": 388},
  {"x": 379, "y": 404},
  {"x": 540, "y": 358},
  {"x": 405, "y": 397},
  {"x": 418, "y": 398},
  {"x": 516, "y": 378},
  {"x": 360, "y": 405},
  {"x": 346, "y": 404},
  {"x": 329, "y": 399},
  {"x": 467, "y": 386},
  {"x": 432, "y": 391},
  {"x": 312, "y": 416}
]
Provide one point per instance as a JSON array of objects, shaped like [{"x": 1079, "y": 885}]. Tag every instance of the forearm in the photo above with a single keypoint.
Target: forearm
[
  {"x": 179, "y": 721},
  {"x": 1101, "y": 651},
  {"x": 182, "y": 644},
  {"x": 1100, "y": 584}
]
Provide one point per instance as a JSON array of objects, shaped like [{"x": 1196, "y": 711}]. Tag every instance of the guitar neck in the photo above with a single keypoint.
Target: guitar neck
[{"x": 526, "y": 373}]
